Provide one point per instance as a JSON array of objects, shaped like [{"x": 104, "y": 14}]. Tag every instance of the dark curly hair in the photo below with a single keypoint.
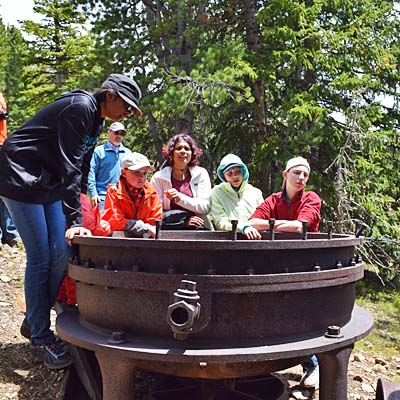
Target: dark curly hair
[{"x": 168, "y": 149}]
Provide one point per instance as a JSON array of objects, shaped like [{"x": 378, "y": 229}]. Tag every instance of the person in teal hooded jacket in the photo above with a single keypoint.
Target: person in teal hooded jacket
[{"x": 234, "y": 198}]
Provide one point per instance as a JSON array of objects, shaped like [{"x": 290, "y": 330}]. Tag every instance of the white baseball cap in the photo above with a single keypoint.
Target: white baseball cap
[
  {"x": 117, "y": 126},
  {"x": 136, "y": 161},
  {"x": 296, "y": 162}
]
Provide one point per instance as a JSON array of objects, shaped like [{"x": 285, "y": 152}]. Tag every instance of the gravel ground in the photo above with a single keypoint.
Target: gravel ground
[{"x": 23, "y": 378}]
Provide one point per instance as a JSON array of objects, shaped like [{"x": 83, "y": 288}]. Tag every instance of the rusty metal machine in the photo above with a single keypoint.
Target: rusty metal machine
[{"x": 211, "y": 305}]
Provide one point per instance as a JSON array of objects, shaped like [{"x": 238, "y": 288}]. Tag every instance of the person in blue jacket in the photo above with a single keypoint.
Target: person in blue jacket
[
  {"x": 44, "y": 167},
  {"x": 106, "y": 164}
]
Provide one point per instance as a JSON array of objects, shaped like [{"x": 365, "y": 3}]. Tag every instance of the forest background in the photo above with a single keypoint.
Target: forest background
[{"x": 266, "y": 80}]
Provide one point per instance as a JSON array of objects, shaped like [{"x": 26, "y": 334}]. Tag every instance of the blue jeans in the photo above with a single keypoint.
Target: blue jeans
[
  {"x": 42, "y": 230},
  {"x": 8, "y": 231}
]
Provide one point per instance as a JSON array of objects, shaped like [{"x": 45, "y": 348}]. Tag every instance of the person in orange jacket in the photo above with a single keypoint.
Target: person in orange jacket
[
  {"x": 8, "y": 231},
  {"x": 135, "y": 204},
  {"x": 3, "y": 119}
]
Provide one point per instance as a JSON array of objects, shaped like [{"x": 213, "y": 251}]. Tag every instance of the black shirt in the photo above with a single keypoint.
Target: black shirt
[{"x": 48, "y": 158}]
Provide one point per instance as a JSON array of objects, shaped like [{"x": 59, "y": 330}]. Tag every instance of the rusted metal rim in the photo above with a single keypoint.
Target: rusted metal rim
[
  {"x": 218, "y": 283},
  {"x": 314, "y": 242},
  {"x": 165, "y": 350},
  {"x": 387, "y": 390}
]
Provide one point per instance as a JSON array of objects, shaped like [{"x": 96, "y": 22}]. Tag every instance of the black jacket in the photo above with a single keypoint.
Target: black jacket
[{"x": 48, "y": 158}]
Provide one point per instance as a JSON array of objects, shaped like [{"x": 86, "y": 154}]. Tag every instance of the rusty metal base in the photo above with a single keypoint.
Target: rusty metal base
[
  {"x": 118, "y": 362},
  {"x": 268, "y": 387}
]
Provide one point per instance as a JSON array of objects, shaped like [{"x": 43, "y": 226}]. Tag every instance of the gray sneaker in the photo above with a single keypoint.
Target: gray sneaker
[{"x": 53, "y": 354}]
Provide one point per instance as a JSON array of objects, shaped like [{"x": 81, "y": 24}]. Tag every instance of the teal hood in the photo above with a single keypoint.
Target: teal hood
[{"x": 231, "y": 160}]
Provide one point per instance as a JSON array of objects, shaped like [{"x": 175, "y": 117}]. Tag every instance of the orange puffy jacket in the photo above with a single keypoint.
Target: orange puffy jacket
[{"x": 146, "y": 206}]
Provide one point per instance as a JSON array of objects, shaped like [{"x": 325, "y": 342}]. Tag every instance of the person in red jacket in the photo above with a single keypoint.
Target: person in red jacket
[
  {"x": 289, "y": 207},
  {"x": 135, "y": 205}
]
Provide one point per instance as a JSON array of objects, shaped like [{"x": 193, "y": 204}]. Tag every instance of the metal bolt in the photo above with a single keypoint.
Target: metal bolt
[
  {"x": 271, "y": 228},
  {"x": 211, "y": 270},
  {"x": 353, "y": 262},
  {"x": 330, "y": 229},
  {"x": 188, "y": 285},
  {"x": 317, "y": 268},
  {"x": 76, "y": 260},
  {"x": 305, "y": 227},
  {"x": 202, "y": 364},
  {"x": 333, "y": 332},
  {"x": 339, "y": 264},
  {"x": 158, "y": 228},
  {"x": 234, "y": 223},
  {"x": 117, "y": 337},
  {"x": 250, "y": 271},
  {"x": 108, "y": 265},
  {"x": 286, "y": 269}
]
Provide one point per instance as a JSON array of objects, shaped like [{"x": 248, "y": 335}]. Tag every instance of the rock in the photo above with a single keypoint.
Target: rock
[
  {"x": 357, "y": 378},
  {"x": 381, "y": 361},
  {"x": 22, "y": 372},
  {"x": 379, "y": 368},
  {"x": 358, "y": 357},
  {"x": 366, "y": 387},
  {"x": 5, "y": 278}
]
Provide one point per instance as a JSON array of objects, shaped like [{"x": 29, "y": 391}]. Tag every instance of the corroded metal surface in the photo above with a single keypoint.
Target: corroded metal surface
[
  {"x": 387, "y": 390},
  {"x": 212, "y": 305},
  {"x": 171, "y": 357},
  {"x": 248, "y": 289}
]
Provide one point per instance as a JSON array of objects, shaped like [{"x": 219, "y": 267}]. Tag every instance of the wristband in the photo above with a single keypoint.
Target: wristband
[{"x": 244, "y": 228}]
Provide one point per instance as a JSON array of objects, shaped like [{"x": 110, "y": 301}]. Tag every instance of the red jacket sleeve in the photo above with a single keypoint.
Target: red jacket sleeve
[
  {"x": 264, "y": 210},
  {"x": 310, "y": 211}
]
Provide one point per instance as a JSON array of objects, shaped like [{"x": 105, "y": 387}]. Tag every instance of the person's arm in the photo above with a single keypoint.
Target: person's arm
[
  {"x": 113, "y": 211},
  {"x": 92, "y": 189},
  {"x": 74, "y": 124},
  {"x": 218, "y": 212},
  {"x": 157, "y": 182},
  {"x": 284, "y": 225},
  {"x": 311, "y": 211},
  {"x": 201, "y": 203}
]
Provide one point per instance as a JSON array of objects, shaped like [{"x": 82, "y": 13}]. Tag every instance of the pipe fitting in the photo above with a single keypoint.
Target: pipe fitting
[{"x": 183, "y": 313}]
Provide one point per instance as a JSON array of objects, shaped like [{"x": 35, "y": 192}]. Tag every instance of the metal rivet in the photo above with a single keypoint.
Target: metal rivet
[
  {"x": 117, "y": 337},
  {"x": 250, "y": 271}
]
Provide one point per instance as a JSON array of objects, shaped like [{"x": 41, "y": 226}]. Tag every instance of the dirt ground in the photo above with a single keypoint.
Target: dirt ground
[{"x": 23, "y": 378}]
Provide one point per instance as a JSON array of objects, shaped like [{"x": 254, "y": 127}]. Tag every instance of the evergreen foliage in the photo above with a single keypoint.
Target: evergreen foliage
[{"x": 264, "y": 80}]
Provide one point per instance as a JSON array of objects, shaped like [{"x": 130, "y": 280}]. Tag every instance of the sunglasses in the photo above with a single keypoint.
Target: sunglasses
[
  {"x": 129, "y": 109},
  {"x": 120, "y": 133}
]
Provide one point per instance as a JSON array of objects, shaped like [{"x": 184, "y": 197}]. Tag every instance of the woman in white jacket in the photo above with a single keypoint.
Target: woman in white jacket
[{"x": 183, "y": 184}]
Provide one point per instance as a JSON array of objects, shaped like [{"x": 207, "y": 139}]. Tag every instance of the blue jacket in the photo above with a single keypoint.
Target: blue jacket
[{"x": 105, "y": 168}]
